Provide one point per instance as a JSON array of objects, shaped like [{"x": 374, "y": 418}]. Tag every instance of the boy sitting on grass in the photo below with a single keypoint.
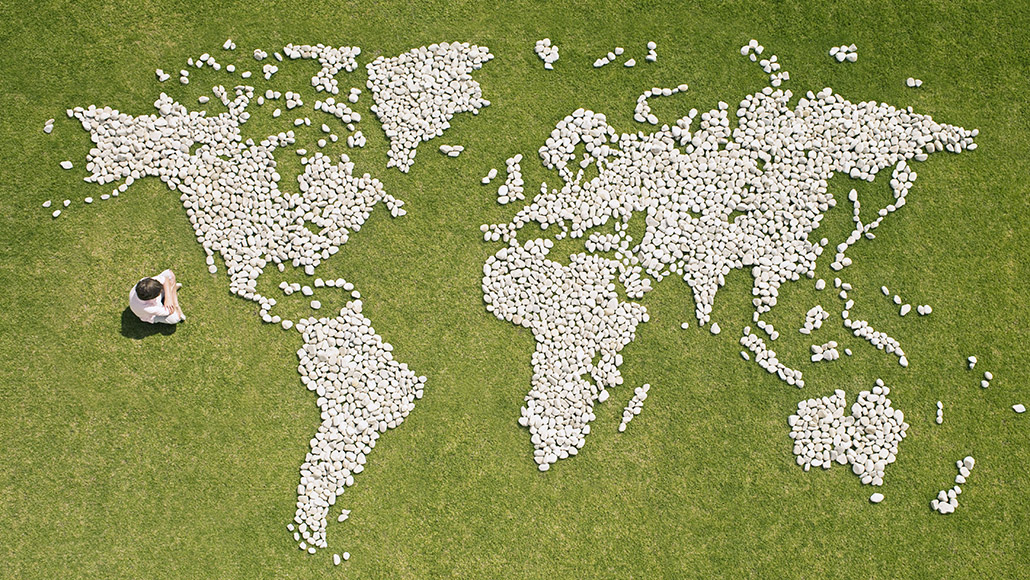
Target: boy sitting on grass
[{"x": 154, "y": 300}]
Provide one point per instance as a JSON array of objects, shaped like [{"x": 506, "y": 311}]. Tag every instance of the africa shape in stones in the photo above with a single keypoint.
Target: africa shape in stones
[
  {"x": 714, "y": 199},
  {"x": 231, "y": 191}
]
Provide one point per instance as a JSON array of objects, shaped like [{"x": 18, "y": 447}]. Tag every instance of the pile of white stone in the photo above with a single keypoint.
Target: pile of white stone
[
  {"x": 770, "y": 65},
  {"x": 513, "y": 187},
  {"x": 610, "y": 57},
  {"x": 820, "y": 431},
  {"x": 986, "y": 381},
  {"x": 547, "y": 53},
  {"x": 845, "y": 52},
  {"x": 332, "y": 59},
  {"x": 947, "y": 500},
  {"x": 814, "y": 319},
  {"x": 451, "y": 150},
  {"x": 579, "y": 324},
  {"x": 356, "y": 140},
  {"x": 940, "y": 412},
  {"x": 652, "y": 56},
  {"x": 766, "y": 358},
  {"x": 867, "y": 439},
  {"x": 489, "y": 176},
  {"x": 881, "y": 340},
  {"x": 642, "y": 113},
  {"x": 913, "y": 83},
  {"x": 652, "y": 52},
  {"x": 825, "y": 352},
  {"x": 636, "y": 404},
  {"x": 417, "y": 93}
]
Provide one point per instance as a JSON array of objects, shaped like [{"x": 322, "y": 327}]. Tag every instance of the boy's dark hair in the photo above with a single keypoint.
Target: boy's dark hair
[{"x": 148, "y": 289}]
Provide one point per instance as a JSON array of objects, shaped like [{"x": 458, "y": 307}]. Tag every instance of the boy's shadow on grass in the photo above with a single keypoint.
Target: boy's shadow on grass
[{"x": 134, "y": 328}]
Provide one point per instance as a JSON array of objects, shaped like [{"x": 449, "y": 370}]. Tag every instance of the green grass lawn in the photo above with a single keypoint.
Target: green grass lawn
[{"x": 124, "y": 454}]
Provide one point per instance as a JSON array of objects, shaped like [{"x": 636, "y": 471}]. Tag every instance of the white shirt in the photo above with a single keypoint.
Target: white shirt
[{"x": 152, "y": 310}]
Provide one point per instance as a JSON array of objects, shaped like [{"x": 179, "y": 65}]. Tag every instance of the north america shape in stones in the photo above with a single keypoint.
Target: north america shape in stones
[
  {"x": 230, "y": 189},
  {"x": 714, "y": 199}
]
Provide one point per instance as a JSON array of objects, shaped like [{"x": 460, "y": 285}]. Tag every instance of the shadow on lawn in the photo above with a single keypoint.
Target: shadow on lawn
[{"x": 134, "y": 328}]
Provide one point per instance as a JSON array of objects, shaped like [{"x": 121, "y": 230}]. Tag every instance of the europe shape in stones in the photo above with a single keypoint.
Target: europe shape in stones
[
  {"x": 714, "y": 198},
  {"x": 231, "y": 191}
]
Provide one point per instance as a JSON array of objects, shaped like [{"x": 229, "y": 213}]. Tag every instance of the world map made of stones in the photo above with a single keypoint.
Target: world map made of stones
[{"x": 714, "y": 198}]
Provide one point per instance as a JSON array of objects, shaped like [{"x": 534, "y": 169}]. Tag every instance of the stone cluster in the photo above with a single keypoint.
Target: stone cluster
[
  {"x": 490, "y": 175},
  {"x": 547, "y": 53},
  {"x": 636, "y": 404},
  {"x": 451, "y": 150},
  {"x": 881, "y": 340},
  {"x": 766, "y": 358},
  {"x": 417, "y": 93},
  {"x": 642, "y": 113},
  {"x": 825, "y": 352},
  {"x": 940, "y": 412},
  {"x": 867, "y": 439},
  {"x": 814, "y": 318},
  {"x": 610, "y": 57},
  {"x": 913, "y": 83},
  {"x": 332, "y": 59},
  {"x": 947, "y": 500},
  {"x": 513, "y": 187},
  {"x": 770, "y": 65},
  {"x": 845, "y": 52}
]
